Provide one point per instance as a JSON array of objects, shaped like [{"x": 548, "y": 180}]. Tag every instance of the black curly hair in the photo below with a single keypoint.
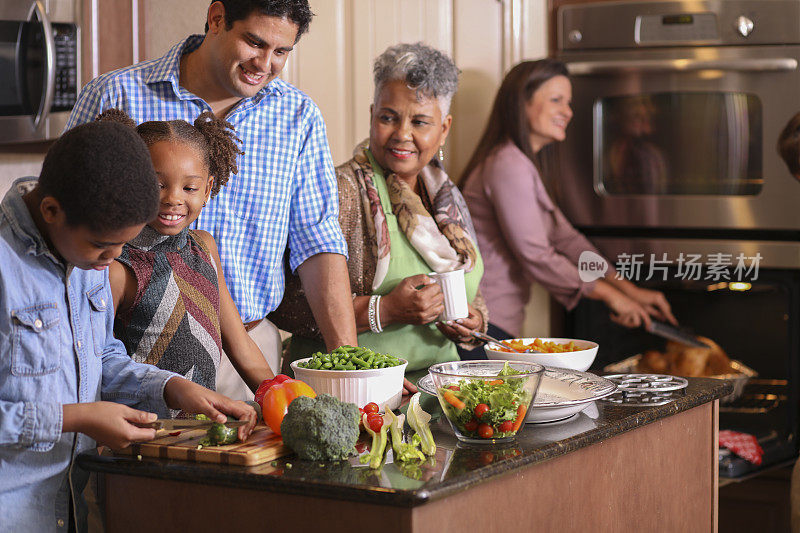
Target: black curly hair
[
  {"x": 102, "y": 177},
  {"x": 298, "y": 11},
  {"x": 213, "y": 137}
]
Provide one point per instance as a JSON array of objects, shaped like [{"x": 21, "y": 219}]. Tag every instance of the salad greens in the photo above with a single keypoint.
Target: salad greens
[{"x": 487, "y": 408}]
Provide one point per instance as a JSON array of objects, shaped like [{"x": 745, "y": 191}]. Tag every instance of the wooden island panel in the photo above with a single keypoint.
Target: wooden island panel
[{"x": 658, "y": 477}]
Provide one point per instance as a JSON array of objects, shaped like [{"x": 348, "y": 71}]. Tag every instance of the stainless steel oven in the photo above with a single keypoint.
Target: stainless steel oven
[
  {"x": 677, "y": 109},
  {"x": 671, "y": 155},
  {"x": 39, "y": 68}
]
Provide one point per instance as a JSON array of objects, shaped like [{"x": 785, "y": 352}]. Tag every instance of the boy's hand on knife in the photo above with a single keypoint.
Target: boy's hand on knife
[{"x": 183, "y": 394}]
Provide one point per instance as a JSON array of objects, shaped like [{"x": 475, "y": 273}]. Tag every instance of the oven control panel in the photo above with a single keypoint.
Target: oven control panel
[
  {"x": 630, "y": 24},
  {"x": 682, "y": 27}
]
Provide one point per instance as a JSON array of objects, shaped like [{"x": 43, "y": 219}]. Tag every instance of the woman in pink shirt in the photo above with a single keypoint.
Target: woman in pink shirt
[{"x": 522, "y": 235}]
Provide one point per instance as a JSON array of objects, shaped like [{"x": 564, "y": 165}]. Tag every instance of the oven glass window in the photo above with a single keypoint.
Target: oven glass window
[{"x": 679, "y": 143}]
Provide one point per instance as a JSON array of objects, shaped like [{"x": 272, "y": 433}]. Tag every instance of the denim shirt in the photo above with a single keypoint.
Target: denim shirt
[{"x": 56, "y": 347}]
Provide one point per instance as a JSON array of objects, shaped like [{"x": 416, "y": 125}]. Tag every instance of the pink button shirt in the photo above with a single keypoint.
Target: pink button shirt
[{"x": 523, "y": 237}]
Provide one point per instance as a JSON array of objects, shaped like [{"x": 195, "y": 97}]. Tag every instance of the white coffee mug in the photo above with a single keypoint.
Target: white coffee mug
[{"x": 455, "y": 294}]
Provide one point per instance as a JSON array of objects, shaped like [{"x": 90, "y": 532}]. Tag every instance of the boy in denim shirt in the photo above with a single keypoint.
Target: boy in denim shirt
[{"x": 65, "y": 382}]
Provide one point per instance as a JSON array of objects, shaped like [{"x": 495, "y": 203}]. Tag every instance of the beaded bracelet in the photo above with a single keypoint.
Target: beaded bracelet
[{"x": 374, "y": 314}]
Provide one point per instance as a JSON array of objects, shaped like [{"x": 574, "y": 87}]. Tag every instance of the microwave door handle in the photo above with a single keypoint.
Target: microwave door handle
[
  {"x": 772, "y": 64},
  {"x": 50, "y": 56}
]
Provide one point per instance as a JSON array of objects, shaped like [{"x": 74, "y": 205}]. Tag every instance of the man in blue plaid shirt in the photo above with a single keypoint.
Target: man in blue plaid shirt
[{"x": 285, "y": 194}]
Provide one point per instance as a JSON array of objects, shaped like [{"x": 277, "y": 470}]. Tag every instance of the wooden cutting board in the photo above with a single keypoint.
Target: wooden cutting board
[{"x": 263, "y": 445}]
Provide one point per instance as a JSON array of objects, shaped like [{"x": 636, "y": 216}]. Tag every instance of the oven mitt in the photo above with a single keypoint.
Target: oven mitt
[{"x": 742, "y": 444}]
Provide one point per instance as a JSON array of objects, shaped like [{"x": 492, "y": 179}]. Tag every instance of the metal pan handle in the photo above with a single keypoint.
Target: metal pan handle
[
  {"x": 50, "y": 52},
  {"x": 590, "y": 68}
]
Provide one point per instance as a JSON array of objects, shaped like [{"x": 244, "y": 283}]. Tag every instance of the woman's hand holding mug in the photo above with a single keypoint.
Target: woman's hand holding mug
[{"x": 416, "y": 300}]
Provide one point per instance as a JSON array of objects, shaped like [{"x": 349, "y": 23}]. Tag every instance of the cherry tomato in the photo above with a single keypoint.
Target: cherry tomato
[
  {"x": 471, "y": 426},
  {"x": 485, "y": 431},
  {"x": 454, "y": 387},
  {"x": 371, "y": 407},
  {"x": 481, "y": 409},
  {"x": 487, "y": 458},
  {"x": 375, "y": 421},
  {"x": 506, "y": 426}
]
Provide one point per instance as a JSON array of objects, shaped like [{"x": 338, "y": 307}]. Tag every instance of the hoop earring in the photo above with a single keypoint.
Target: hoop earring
[
  {"x": 441, "y": 154},
  {"x": 204, "y": 204}
]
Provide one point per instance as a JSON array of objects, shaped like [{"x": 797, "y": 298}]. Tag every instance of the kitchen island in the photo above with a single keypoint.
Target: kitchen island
[{"x": 610, "y": 468}]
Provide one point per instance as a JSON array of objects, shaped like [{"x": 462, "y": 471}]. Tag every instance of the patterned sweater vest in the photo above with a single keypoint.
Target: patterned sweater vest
[{"x": 173, "y": 322}]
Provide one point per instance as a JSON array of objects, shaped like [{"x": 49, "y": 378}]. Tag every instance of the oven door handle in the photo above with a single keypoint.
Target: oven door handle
[
  {"x": 771, "y": 64},
  {"x": 50, "y": 52}
]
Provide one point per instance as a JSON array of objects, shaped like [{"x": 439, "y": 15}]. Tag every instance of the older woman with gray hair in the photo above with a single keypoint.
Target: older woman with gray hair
[{"x": 403, "y": 218}]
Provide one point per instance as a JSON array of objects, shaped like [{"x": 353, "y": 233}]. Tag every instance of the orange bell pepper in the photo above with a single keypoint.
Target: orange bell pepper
[{"x": 277, "y": 399}]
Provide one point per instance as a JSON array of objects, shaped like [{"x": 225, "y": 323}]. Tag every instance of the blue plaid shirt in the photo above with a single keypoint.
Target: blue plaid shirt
[{"x": 285, "y": 192}]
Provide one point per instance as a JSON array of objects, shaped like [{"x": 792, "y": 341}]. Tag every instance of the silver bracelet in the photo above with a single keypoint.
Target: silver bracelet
[
  {"x": 373, "y": 313},
  {"x": 378, "y": 314}
]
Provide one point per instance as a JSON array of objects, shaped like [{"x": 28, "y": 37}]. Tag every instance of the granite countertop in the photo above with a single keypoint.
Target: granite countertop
[{"x": 456, "y": 466}]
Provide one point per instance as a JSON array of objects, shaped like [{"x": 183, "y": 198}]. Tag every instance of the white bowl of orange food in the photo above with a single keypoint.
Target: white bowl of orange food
[{"x": 575, "y": 354}]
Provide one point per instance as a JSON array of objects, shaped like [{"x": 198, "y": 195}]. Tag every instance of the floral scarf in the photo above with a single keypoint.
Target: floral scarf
[{"x": 446, "y": 240}]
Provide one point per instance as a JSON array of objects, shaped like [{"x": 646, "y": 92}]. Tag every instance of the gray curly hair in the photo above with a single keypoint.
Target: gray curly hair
[{"x": 424, "y": 69}]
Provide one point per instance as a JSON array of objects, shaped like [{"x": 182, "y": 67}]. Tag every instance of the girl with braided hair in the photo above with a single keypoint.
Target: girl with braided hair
[{"x": 173, "y": 308}]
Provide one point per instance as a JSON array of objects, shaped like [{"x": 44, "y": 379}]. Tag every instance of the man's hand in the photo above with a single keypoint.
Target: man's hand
[
  {"x": 183, "y": 394},
  {"x": 110, "y": 424}
]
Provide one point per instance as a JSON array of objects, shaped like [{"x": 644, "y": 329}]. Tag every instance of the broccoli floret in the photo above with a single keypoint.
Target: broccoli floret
[{"x": 321, "y": 428}]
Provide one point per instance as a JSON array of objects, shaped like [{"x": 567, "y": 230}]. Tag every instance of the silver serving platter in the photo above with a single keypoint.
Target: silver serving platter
[
  {"x": 739, "y": 379},
  {"x": 562, "y": 393}
]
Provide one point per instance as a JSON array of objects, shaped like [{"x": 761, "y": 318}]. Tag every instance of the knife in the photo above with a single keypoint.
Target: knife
[
  {"x": 668, "y": 331},
  {"x": 187, "y": 423}
]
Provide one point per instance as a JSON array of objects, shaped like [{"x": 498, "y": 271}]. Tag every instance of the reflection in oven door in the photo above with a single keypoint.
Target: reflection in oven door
[{"x": 676, "y": 127}]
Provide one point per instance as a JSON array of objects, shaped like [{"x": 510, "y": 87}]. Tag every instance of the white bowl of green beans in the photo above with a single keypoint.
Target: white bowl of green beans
[{"x": 354, "y": 374}]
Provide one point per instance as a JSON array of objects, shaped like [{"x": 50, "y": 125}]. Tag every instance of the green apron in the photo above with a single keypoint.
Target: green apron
[{"x": 422, "y": 346}]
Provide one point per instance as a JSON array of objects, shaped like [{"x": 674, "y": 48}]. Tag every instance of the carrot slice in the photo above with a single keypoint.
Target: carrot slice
[
  {"x": 520, "y": 417},
  {"x": 452, "y": 400}
]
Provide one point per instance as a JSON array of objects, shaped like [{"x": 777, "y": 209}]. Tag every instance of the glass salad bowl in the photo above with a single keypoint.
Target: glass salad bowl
[{"x": 486, "y": 401}]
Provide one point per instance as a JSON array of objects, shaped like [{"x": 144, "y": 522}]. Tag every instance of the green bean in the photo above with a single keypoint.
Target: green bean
[{"x": 350, "y": 358}]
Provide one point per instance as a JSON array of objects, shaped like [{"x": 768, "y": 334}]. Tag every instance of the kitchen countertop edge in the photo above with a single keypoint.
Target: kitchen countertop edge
[{"x": 701, "y": 391}]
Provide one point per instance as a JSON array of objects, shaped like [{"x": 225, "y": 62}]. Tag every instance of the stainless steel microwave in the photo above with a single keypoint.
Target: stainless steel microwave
[{"x": 39, "y": 68}]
